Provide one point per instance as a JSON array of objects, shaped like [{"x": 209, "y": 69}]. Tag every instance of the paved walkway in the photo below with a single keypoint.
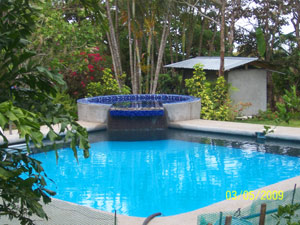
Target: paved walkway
[
  {"x": 14, "y": 138},
  {"x": 65, "y": 213},
  {"x": 285, "y": 133}
]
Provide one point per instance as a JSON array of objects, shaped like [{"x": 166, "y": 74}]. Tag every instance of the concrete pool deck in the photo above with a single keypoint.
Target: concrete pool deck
[
  {"x": 234, "y": 128},
  {"x": 65, "y": 213},
  {"x": 14, "y": 138}
]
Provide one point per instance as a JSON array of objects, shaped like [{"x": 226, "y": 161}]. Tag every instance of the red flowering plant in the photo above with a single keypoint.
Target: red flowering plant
[{"x": 82, "y": 68}]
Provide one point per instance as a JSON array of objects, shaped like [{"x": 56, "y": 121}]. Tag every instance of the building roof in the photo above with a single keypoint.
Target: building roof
[{"x": 212, "y": 63}]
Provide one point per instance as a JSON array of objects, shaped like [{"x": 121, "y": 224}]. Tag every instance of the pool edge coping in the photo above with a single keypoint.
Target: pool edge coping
[
  {"x": 235, "y": 128},
  {"x": 189, "y": 218}
]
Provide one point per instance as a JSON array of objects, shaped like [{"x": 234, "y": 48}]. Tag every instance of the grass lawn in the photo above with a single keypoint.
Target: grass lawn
[{"x": 293, "y": 122}]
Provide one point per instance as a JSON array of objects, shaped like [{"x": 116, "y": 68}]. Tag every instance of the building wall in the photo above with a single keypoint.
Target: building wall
[
  {"x": 252, "y": 88},
  {"x": 211, "y": 75}
]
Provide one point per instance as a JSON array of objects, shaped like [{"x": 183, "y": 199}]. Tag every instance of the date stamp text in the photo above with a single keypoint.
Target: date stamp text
[{"x": 250, "y": 195}]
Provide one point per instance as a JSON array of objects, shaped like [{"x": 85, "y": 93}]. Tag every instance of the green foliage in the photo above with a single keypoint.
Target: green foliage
[
  {"x": 83, "y": 68},
  {"x": 215, "y": 102},
  {"x": 268, "y": 130},
  {"x": 288, "y": 62},
  {"x": 69, "y": 104},
  {"x": 63, "y": 29},
  {"x": 261, "y": 43},
  {"x": 237, "y": 109},
  {"x": 168, "y": 84},
  {"x": 198, "y": 86},
  {"x": 285, "y": 110},
  {"x": 287, "y": 213},
  {"x": 74, "y": 47},
  {"x": 291, "y": 100},
  {"x": 266, "y": 115},
  {"x": 289, "y": 106},
  {"x": 26, "y": 122},
  {"x": 106, "y": 86},
  {"x": 22, "y": 178},
  {"x": 221, "y": 99},
  {"x": 27, "y": 93}
]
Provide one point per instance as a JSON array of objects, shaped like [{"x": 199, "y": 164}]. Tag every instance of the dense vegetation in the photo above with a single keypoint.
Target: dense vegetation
[
  {"x": 28, "y": 100},
  {"x": 54, "y": 52},
  {"x": 136, "y": 38}
]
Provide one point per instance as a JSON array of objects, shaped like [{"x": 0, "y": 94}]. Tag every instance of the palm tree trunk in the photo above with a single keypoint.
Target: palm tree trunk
[
  {"x": 114, "y": 48},
  {"x": 222, "y": 39},
  {"x": 133, "y": 83},
  {"x": 162, "y": 46}
]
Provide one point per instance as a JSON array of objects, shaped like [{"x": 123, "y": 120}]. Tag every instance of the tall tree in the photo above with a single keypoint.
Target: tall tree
[
  {"x": 234, "y": 12},
  {"x": 114, "y": 46},
  {"x": 132, "y": 75},
  {"x": 295, "y": 20},
  {"x": 163, "y": 41},
  {"x": 269, "y": 17},
  {"x": 222, "y": 37}
]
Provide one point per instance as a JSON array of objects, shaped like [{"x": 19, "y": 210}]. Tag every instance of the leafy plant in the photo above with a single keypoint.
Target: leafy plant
[
  {"x": 268, "y": 129},
  {"x": 63, "y": 30},
  {"x": 168, "y": 84},
  {"x": 83, "y": 68},
  {"x": 267, "y": 115},
  {"x": 69, "y": 104},
  {"x": 291, "y": 101},
  {"x": 261, "y": 43},
  {"x": 237, "y": 109},
  {"x": 287, "y": 213},
  {"x": 215, "y": 102},
  {"x": 22, "y": 178},
  {"x": 285, "y": 109},
  {"x": 66, "y": 32},
  {"x": 221, "y": 99},
  {"x": 27, "y": 91},
  {"x": 106, "y": 86}
]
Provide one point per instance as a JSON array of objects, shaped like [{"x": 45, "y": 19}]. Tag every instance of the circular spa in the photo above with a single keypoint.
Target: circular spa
[{"x": 175, "y": 107}]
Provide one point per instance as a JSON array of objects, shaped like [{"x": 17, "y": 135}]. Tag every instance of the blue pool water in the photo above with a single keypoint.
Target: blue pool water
[{"x": 139, "y": 178}]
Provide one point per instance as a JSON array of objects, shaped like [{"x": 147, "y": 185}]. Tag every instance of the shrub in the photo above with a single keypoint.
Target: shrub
[
  {"x": 215, "y": 101},
  {"x": 81, "y": 69},
  {"x": 237, "y": 109},
  {"x": 221, "y": 100},
  {"x": 68, "y": 103},
  {"x": 106, "y": 86},
  {"x": 267, "y": 115},
  {"x": 168, "y": 84}
]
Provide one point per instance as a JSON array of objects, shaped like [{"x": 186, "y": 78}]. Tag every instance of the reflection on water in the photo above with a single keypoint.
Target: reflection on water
[{"x": 138, "y": 178}]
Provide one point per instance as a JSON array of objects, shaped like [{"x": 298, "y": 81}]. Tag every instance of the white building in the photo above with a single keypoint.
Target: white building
[{"x": 243, "y": 73}]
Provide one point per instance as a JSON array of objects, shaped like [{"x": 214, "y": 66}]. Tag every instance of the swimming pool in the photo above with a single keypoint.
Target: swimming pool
[{"x": 172, "y": 174}]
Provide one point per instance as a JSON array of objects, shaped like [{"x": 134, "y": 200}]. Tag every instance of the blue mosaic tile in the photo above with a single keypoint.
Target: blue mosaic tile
[
  {"x": 163, "y": 98},
  {"x": 140, "y": 113}
]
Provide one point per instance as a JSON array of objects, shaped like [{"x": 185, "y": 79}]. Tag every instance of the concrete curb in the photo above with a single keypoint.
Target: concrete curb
[{"x": 14, "y": 138}]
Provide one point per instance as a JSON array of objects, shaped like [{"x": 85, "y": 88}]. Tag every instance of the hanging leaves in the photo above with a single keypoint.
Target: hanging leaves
[{"x": 261, "y": 43}]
